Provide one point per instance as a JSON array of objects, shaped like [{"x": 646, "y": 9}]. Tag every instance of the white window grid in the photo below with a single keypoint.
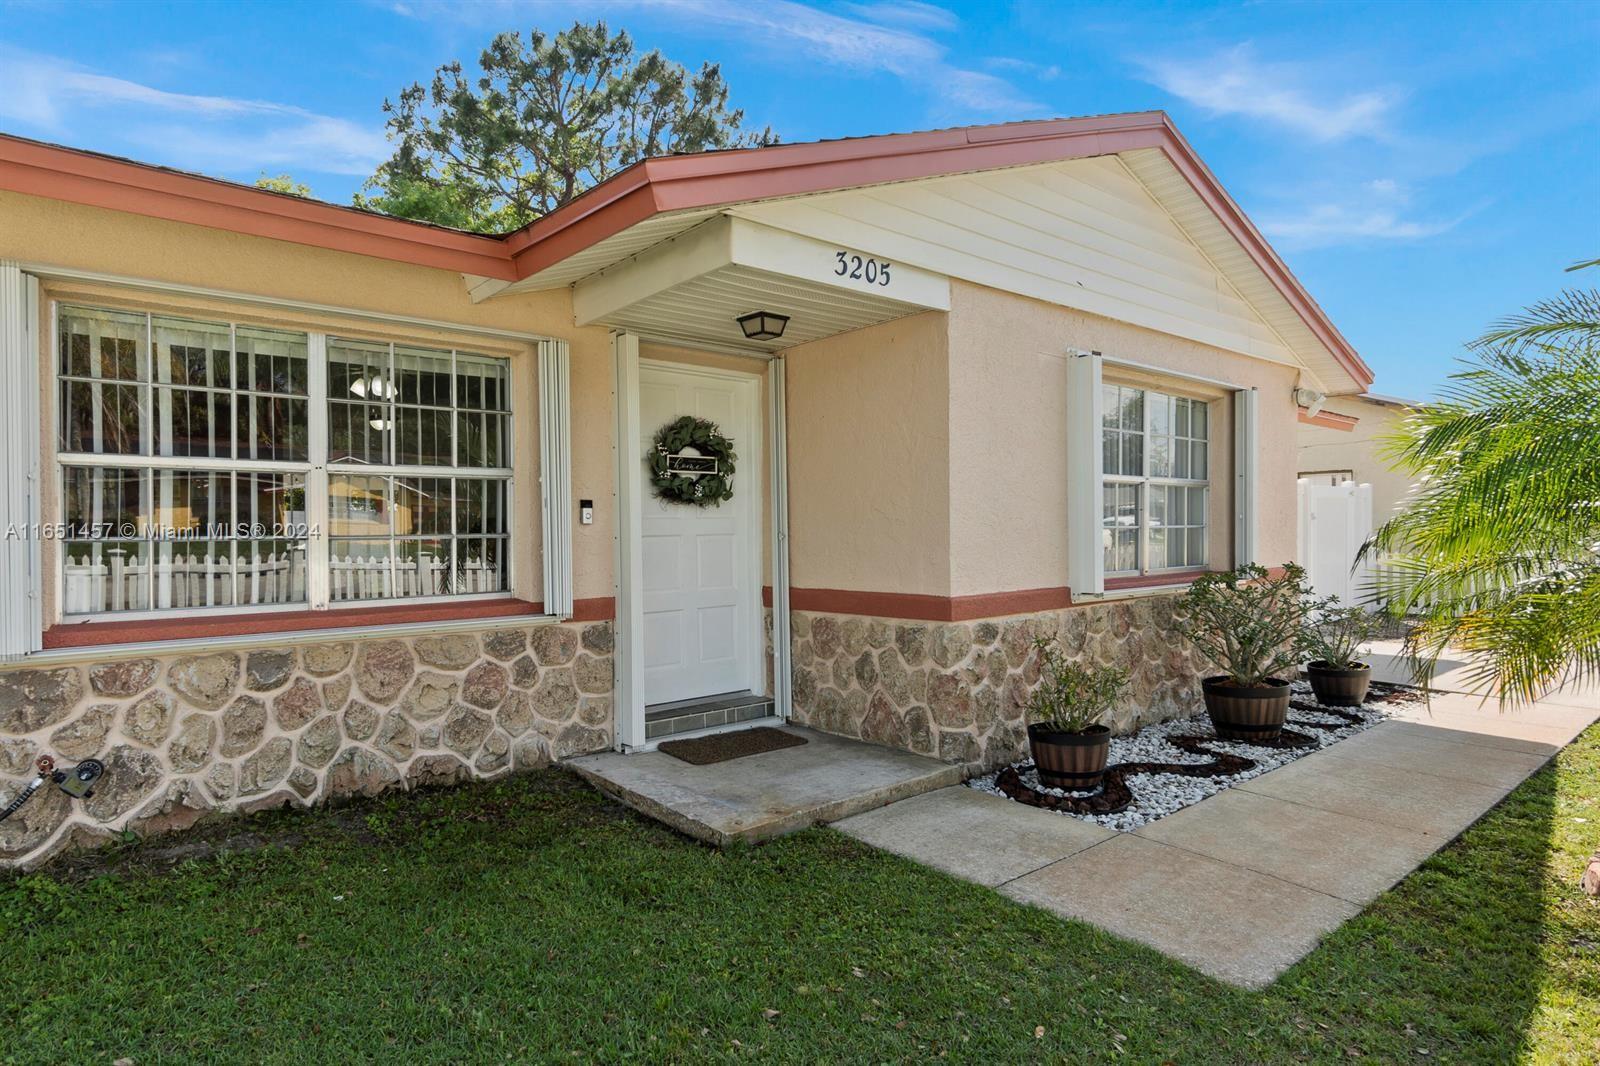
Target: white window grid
[
  {"x": 1123, "y": 490},
  {"x": 316, "y": 473}
]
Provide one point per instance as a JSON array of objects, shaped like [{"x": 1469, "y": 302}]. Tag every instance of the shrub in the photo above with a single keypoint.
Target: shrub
[
  {"x": 1070, "y": 696},
  {"x": 1336, "y": 635},
  {"x": 1251, "y": 624}
]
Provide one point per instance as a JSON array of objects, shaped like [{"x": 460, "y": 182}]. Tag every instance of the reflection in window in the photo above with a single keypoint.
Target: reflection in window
[
  {"x": 202, "y": 435},
  {"x": 1155, "y": 463}
]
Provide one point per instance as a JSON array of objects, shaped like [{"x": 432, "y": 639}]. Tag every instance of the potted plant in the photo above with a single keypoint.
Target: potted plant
[
  {"x": 1065, "y": 734},
  {"x": 1334, "y": 640},
  {"x": 1253, "y": 626}
]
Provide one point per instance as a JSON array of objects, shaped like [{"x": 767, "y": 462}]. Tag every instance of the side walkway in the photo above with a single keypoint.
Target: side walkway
[{"x": 1245, "y": 883}]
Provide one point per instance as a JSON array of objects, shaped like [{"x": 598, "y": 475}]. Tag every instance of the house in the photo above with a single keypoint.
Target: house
[
  {"x": 981, "y": 383},
  {"x": 1345, "y": 442}
]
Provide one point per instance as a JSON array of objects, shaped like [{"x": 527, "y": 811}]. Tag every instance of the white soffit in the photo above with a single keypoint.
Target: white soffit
[
  {"x": 691, "y": 289},
  {"x": 613, "y": 249}
]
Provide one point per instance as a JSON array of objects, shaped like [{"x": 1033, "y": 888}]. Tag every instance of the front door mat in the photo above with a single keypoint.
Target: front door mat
[{"x": 720, "y": 747}]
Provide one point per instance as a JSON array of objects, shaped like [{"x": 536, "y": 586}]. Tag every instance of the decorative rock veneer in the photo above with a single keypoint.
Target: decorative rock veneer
[
  {"x": 183, "y": 736},
  {"x": 957, "y": 690}
]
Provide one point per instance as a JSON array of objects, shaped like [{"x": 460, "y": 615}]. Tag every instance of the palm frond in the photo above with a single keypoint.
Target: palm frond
[{"x": 1498, "y": 550}]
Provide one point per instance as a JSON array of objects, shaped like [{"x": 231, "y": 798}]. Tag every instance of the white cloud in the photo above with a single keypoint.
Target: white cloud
[
  {"x": 1379, "y": 213},
  {"x": 863, "y": 46},
  {"x": 56, "y": 99},
  {"x": 1041, "y": 71},
  {"x": 888, "y": 37},
  {"x": 1235, "y": 82},
  {"x": 911, "y": 14}
]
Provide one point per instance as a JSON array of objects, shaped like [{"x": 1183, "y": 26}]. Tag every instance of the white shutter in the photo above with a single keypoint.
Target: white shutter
[
  {"x": 21, "y": 579},
  {"x": 1086, "y": 569},
  {"x": 1246, "y": 453},
  {"x": 555, "y": 474}
]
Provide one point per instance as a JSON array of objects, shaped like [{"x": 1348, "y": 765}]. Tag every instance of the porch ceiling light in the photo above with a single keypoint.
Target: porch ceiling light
[{"x": 763, "y": 325}]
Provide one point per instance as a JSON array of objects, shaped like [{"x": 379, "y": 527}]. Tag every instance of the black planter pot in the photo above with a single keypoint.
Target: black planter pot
[
  {"x": 1340, "y": 688},
  {"x": 1072, "y": 761},
  {"x": 1248, "y": 714}
]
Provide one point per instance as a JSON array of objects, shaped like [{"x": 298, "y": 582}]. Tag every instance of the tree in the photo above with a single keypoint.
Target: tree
[
  {"x": 285, "y": 184},
  {"x": 1498, "y": 554},
  {"x": 548, "y": 118}
]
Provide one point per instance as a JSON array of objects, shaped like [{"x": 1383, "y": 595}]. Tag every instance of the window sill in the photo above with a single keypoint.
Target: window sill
[
  {"x": 1149, "y": 584},
  {"x": 71, "y": 641}
]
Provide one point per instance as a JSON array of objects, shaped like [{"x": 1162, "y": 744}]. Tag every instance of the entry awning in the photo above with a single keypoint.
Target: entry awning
[{"x": 691, "y": 288}]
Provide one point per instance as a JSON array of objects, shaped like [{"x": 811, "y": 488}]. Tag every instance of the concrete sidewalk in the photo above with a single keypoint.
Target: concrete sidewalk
[{"x": 1245, "y": 883}]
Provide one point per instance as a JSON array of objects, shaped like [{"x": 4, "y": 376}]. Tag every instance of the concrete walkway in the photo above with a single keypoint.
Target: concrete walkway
[
  {"x": 760, "y": 796},
  {"x": 1245, "y": 883}
]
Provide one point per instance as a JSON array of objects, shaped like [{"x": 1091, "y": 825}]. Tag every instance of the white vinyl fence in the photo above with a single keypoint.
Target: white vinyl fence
[
  {"x": 117, "y": 582},
  {"x": 1335, "y": 520}
]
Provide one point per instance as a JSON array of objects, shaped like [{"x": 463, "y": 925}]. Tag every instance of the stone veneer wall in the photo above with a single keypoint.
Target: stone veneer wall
[
  {"x": 186, "y": 735},
  {"x": 956, "y": 690}
]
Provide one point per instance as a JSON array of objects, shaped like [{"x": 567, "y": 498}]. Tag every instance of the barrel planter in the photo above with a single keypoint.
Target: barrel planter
[
  {"x": 1074, "y": 762},
  {"x": 1340, "y": 687},
  {"x": 1249, "y": 714}
]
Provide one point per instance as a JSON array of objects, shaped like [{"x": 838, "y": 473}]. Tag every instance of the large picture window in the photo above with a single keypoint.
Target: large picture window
[
  {"x": 189, "y": 461},
  {"x": 1154, "y": 462}
]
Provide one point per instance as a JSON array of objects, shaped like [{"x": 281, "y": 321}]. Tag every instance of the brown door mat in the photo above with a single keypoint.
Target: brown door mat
[{"x": 720, "y": 747}]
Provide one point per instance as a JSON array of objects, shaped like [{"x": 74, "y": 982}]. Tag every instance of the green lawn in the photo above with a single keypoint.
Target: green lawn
[{"x": 531, "y": 919}]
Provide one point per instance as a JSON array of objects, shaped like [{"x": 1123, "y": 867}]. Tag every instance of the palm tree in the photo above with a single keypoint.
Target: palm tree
[{"x": 1498, "y": 551}]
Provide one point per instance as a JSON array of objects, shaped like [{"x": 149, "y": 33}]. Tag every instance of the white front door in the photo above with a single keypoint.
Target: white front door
[{"x": 700, "y": 589}]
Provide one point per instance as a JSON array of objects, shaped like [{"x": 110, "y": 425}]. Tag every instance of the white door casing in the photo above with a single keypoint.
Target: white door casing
[{"x": 701, "y": 566}]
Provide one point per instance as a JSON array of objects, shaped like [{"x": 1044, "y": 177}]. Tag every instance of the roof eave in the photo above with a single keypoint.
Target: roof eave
[{"x": 94, "y": 180}]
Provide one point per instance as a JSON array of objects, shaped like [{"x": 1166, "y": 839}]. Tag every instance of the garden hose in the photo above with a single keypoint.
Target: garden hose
[
  {"x": 77, "y": 783},
  {"x": 45, "y": 764}
]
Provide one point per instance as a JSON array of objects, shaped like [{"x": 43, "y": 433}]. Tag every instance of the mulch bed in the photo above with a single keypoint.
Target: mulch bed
[{"x": 720, "y": 747}]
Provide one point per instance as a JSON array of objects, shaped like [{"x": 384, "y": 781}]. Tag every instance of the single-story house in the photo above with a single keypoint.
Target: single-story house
[{"x": 304, "y": 501}]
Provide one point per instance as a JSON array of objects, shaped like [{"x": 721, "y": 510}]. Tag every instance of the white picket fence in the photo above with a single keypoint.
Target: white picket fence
[
  {"x": 364, "y": 579},
  {"x": 114, "y": 583}
]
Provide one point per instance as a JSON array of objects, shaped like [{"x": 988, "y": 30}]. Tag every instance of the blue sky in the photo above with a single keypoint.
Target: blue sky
[{"x": 1423, "y": 167}]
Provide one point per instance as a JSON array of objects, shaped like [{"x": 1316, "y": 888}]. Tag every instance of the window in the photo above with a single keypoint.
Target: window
[
  {"x": 188, "y": 473},
  {"x": 1154, "y": 462}
]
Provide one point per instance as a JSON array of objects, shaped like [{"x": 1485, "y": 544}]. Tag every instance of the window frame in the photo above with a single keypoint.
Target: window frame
[
  {"x": 1143, "y": 484},
  {"x": 317, "y": 471}
]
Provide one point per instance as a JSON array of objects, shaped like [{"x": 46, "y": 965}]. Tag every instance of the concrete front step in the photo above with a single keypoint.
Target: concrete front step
[{"x": 758, "y": 797}]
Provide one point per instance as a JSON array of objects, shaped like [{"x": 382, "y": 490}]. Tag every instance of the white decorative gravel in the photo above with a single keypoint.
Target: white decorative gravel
[{"x": 1158, "y": 795}]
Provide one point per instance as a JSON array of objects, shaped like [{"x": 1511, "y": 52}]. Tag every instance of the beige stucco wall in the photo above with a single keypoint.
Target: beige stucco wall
[
  {"x": 1359, "y": 450},
  {"x": 1008, "y": 434},
  {"x": 55, "y": 233},
  {"x": 869, "y": 455}
]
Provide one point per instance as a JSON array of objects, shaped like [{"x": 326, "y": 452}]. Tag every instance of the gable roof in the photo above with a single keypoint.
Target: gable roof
[{"x": 656, "y": 198}]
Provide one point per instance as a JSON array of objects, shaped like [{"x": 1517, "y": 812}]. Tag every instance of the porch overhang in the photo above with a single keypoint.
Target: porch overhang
[{"x": 691, "y": 288}]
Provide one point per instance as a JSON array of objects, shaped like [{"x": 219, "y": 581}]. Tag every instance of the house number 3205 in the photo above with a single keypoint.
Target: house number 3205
[{"x": 854, "y": 267}]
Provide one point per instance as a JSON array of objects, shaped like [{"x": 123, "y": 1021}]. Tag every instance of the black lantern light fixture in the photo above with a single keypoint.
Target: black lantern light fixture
[{"x": 763, "y": 325}]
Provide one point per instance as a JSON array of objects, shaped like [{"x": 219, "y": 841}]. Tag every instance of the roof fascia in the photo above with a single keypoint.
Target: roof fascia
[{"x": 93, "y": 180}]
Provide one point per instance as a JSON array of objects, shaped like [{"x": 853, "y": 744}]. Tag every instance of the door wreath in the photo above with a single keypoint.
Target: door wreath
[{"x": 692, "y": 462}]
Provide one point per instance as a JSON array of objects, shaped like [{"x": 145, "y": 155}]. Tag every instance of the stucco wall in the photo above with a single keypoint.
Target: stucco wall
[
  {"x": 1359, "y": 450},
  {"x": 55, "y": 233},
  {"x": 869, "y": 458},
  {"x": 1008, "y": 435}
]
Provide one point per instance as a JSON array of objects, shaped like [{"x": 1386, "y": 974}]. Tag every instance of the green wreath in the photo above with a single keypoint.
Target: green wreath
[{"x": 704, "y": 480}]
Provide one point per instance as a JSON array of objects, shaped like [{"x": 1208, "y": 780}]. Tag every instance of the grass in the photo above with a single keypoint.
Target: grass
[{"x": 530, "y": 919}]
